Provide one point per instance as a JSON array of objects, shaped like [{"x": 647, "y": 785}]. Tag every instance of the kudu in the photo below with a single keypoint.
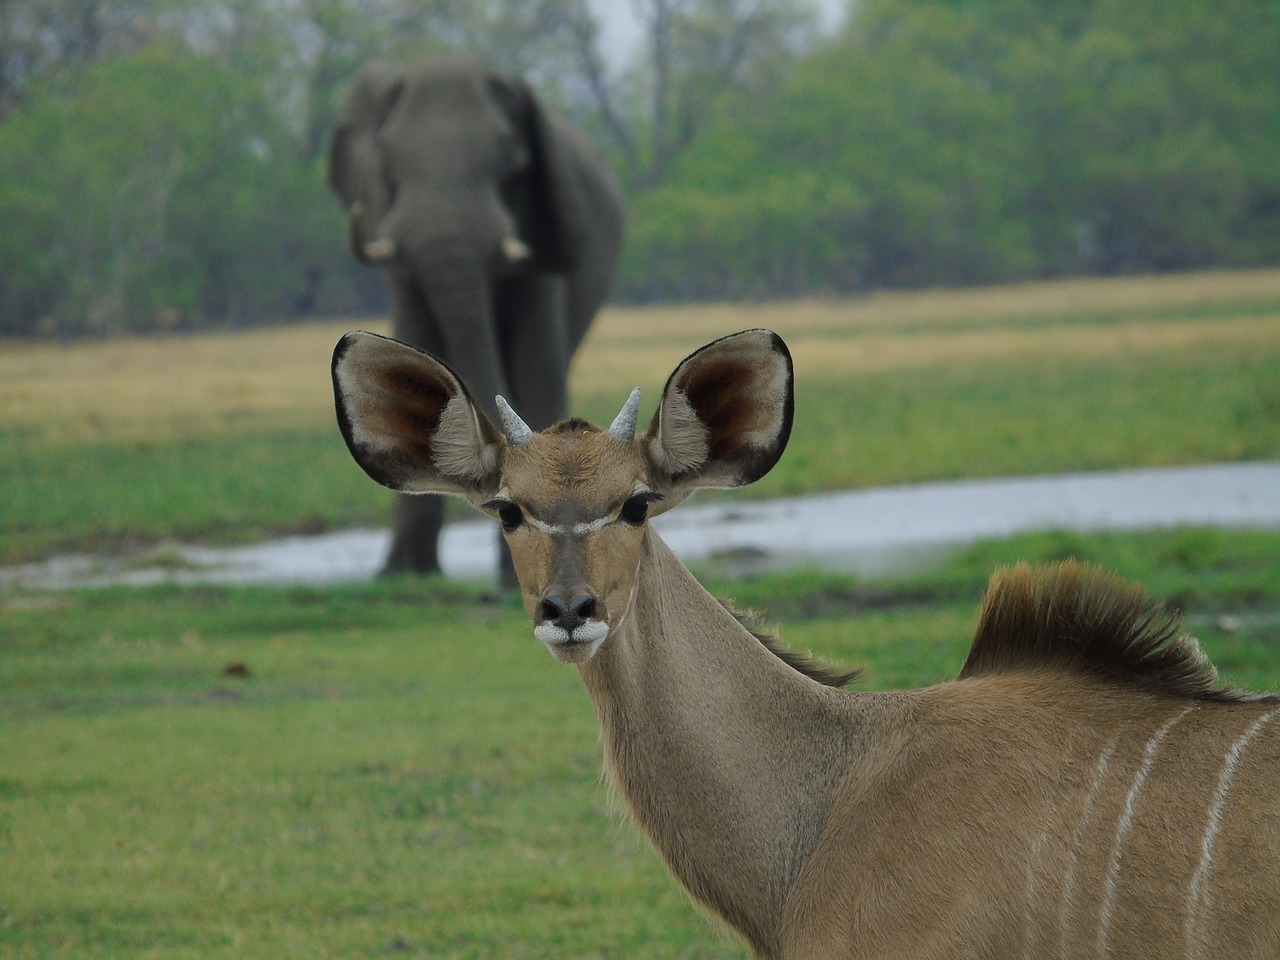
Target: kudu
[{"x": 1084, "y": 788}]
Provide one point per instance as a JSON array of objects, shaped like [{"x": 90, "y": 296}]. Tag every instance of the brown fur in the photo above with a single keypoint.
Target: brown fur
[{"x": 573, "y": 425}]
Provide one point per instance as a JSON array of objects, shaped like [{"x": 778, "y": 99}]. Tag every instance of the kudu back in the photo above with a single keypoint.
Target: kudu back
[{"x": 1084, "y": 788}]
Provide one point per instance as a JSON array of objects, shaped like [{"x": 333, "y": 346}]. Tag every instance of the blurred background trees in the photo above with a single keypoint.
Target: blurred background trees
[{"x": 161, "y": 161}]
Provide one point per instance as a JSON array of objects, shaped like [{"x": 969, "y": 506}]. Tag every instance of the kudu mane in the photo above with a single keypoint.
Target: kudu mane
[
  {"x": 1074, "y": 617},
  {"x": 573, "y": 425},
  {"x": 1065, "y": 617},
  {"x": 802, "y": 663}
]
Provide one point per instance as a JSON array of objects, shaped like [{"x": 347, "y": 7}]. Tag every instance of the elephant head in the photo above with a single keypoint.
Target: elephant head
[{"x": 447, "y": 161}]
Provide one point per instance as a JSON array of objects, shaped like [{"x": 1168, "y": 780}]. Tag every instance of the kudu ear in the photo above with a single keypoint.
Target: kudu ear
[
  {"x": 409, "y": 421},
  {"x": 725, "y": 415}
]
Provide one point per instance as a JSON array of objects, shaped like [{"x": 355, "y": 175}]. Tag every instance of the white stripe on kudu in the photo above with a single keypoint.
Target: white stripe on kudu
[
  {"x": 1068, "y": 890},
  {"x": 1123, "y": 828},
  {"x": 560, "y": 529},
  {"x": 1199, "y": 903}
]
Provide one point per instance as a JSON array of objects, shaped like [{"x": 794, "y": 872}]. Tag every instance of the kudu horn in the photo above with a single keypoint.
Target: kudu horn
[
  {"x": 516, "y": 430},
  {"x": 624, "y": 424}
]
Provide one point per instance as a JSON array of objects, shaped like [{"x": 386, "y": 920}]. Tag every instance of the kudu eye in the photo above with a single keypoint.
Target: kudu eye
[
  {"x": 636, "y": 510},
  {"x": 509, "y": 515}
]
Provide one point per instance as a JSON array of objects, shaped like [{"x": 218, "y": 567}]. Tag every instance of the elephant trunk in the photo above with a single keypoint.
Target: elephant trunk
[
  {"x": 373, "y": 252},
  {"x": 458, "y": 293}
]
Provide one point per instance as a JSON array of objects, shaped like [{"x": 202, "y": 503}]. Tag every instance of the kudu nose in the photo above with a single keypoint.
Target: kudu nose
[{"x": 568, "y": 614}]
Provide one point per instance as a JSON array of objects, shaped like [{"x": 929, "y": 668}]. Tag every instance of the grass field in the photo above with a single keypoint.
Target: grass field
[
  {"x": 222, "y": 437},
  {"x": 398, "y": 769},
  {"x": 403, "y": 771}
]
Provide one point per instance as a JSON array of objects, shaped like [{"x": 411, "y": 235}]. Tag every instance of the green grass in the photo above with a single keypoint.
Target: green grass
[
  {"x": 1030, "y": 418},
  {"x": 404, "y": 771},
  {"x": 215, "y": 488},
  {"x": 403, "y": 767},
  {"x": 995, "y": 420}
]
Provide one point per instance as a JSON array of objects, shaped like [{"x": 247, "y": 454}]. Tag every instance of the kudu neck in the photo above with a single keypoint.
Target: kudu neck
[{"x": 727, "y": 756}]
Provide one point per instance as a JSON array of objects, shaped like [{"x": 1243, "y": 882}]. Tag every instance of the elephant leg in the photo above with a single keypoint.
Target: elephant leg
[
  {"x": 415, "y": 535},
  {"x": 413, "y": 321},
  {"x": 471, "y": 337}
]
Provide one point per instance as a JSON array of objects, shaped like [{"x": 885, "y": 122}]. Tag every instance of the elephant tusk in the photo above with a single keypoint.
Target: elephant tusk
[
  {"x": 380, "y": 250},
  {"x": 366, "y": 251},
  {"x": 515, "y": 250}
]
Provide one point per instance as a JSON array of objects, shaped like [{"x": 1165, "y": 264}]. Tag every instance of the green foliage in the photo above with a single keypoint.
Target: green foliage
[
  {"x": 151, "y": 191},
  {"x": 941, "y": 143},
  {"x": 156, "y": 191},
  {"x": 161, "y": 160}
]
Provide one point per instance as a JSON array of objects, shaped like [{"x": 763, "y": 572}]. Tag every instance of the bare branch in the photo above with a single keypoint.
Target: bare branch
[{"x": 584, "y": 33}]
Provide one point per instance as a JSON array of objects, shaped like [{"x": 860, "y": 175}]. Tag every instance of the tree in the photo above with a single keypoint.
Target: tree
[
  {"x": 694, "y": 52},
  {"x": 961, "y": 141},
  {"x": 40, "y": 37},
  {"x": 154, "y": 190},
  {"x": 876, "y": 164}
]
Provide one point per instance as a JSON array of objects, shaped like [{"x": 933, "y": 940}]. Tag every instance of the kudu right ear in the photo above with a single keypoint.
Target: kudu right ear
[
  {"x": 725, "y": 415},
  {"x": 409, "y": 421}
]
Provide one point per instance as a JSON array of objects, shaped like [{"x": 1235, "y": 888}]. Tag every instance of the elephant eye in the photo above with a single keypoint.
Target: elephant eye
[
  {"x": 508, "y": 513},
  {"x": 636, "y": 510}
]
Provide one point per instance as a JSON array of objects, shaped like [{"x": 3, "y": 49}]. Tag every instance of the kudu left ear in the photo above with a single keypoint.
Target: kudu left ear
[
  {"x": 409, "y": 421},
  {"x": 725, "y": 415}
]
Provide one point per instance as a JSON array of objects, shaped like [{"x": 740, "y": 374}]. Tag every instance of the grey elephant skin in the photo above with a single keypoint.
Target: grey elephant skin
[{"x": 497, "y": 225}]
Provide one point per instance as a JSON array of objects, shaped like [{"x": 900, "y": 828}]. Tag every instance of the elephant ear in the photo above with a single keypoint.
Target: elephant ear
[
  {"x": 354, "y": 162},
  {"x": 409, "y": 421},
  {"x": 572, "y": 189}
]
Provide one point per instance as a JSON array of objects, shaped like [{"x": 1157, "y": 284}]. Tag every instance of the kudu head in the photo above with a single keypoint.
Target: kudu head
[{"x": 573, "y": 500}]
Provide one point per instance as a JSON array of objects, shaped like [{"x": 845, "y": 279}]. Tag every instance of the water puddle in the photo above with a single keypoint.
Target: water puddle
[{"x": 863, "y": 531}]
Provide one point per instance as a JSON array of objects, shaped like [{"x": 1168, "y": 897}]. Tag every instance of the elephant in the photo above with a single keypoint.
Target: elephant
[{"x": 497, "y": 225}]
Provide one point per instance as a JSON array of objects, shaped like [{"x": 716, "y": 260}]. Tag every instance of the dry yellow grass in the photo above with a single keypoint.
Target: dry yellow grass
[
  {"x": 825, "y": 355},
  {"x": 132, "y": 388},
  {"x": 902, "y": 309},
  {"x": 136, "y": 388},
  {"x": 921, "y": 329}
]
